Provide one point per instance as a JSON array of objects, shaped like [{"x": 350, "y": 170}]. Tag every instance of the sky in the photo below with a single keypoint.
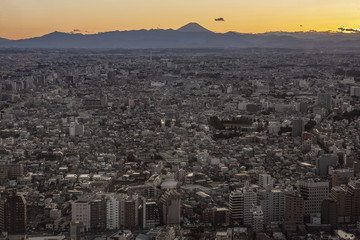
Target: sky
[{"x": 29, "y": 18}]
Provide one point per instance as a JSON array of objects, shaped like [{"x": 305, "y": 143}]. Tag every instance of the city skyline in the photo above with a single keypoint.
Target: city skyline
[{"x": 21, "y": 19}]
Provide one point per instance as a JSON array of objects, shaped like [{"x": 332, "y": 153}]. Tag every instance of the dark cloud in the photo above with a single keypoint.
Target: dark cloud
[
  {"x": 219, "y": 19},
  {"x": 76, "y": 30},
  {"x": 349, "y": 30}
]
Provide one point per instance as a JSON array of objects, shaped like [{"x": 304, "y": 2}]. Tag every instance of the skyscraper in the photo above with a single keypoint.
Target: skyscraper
[
  {"x": 131, "y": 205},
  {"x": 272, "y": 204},
  {"x": 76, "y": 129},
  {"x": 324, "y": 162},
  {"x": 297, "y": 127},
  {"x": 347, "y": 200},
  {"x": 313, "y": 193},
  {"x": 341, "y": 176},
  {"x": 257, "y": 219},
  {"x": 112, "y": 212},
  {"x": 324, "y": 100},
  {"x": 329, "y": 211},
  {"x": 170, "y": 203},
  {"x": 2, "y": 215},
  {"x": 77, "y": 231},
  {"x": 216, "y": 216},
  {"x": 80, "y": 212},
  {"x": 16, "y": 217},
  {"x": 294, "y": 210},
  {"x": 98, "y": 214},
  {"x": 150, "y": 214},
  {"x": 353, "y": 188},
  {"x": 15, "y": 171},
  {"x": 241, "y": 202},
  {"x": 265, "y": 180}
]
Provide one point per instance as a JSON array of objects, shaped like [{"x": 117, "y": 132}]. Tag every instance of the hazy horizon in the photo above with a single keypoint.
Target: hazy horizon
[
  {"x": 78, "y": 31},
  {"x": 21, "y": 19}
]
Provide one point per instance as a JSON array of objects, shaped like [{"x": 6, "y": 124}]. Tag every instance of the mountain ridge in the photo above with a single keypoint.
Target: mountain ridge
[{"x": 191, "y": 35}]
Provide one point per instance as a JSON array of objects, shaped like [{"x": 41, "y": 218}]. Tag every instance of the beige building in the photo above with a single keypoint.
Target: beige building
[{"x": 313, "y": 193}]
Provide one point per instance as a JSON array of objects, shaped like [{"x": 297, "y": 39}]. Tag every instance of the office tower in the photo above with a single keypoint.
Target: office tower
[
  {"x": 80, "y": 212},
  {"x": 77, "y": 231},
  {"x": 353, "y": 189},
  {"x": 15, "y": 171},
  {"x": 2, "y": 215},
  {"x": 313, "y": 192},
  {"x": 111, "y": 76},
  {"x": 294, "y": 210},
  {"x": 343, "y": 203},
  {"x": 356, "y": 167},
  {"x": 329, "y": 211},
  {"x": 347, "y": 200},
  {"x": 16, "y": 217},
  {"x": 265, "y": 180},
  {"x": 207, "y": 215},
  {"x": 297, "y": 127},
  {"x": 324, "y": 100},
  {"x": 150, "y": 214},
  {"x": 76, "y": 129},
  {"x": 170, "y": 204},
  {"x": 236, "y": 202},
  {"x": 241, "y": 201},
  {"x": 112, "y": 212},
  {"x": 302, "y": 107},
  {"x": 272, "y": 204},
  {"x": 98, "y": 214},
  {"x": 216, "y": 216},
  {"x": 221, "y": 217},
  {"x": 257, "y": 219},
  {"x": 341, "y": 176},
  {"x": 131, "y": 205},
  {"x": 324, "y": 162},
  {"x": 4, "y": 175},
  {"x": 354, "y": 91}
]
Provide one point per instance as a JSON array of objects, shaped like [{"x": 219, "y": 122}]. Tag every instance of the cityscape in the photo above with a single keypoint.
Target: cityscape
[
  {"x": 179, "y": 144},
  {"x": 179, "y": 120}
]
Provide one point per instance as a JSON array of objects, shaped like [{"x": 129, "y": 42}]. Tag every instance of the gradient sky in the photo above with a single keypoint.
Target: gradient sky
[{"x": 29, "y": 18}]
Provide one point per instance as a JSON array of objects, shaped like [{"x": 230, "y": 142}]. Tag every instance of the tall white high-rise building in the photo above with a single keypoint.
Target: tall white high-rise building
[
  {"x": 115, "y": 210},
  {"x": 272, "y": 204},
  {"x": 241, "y": 203},
  {"x": 112, "y": 212}
]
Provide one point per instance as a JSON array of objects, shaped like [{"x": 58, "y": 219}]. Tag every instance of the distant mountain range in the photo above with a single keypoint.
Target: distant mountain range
[{"x": 191, "y": 35}]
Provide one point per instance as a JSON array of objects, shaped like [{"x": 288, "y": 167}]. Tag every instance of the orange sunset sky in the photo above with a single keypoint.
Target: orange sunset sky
[{"x": 30, "y": 18}]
